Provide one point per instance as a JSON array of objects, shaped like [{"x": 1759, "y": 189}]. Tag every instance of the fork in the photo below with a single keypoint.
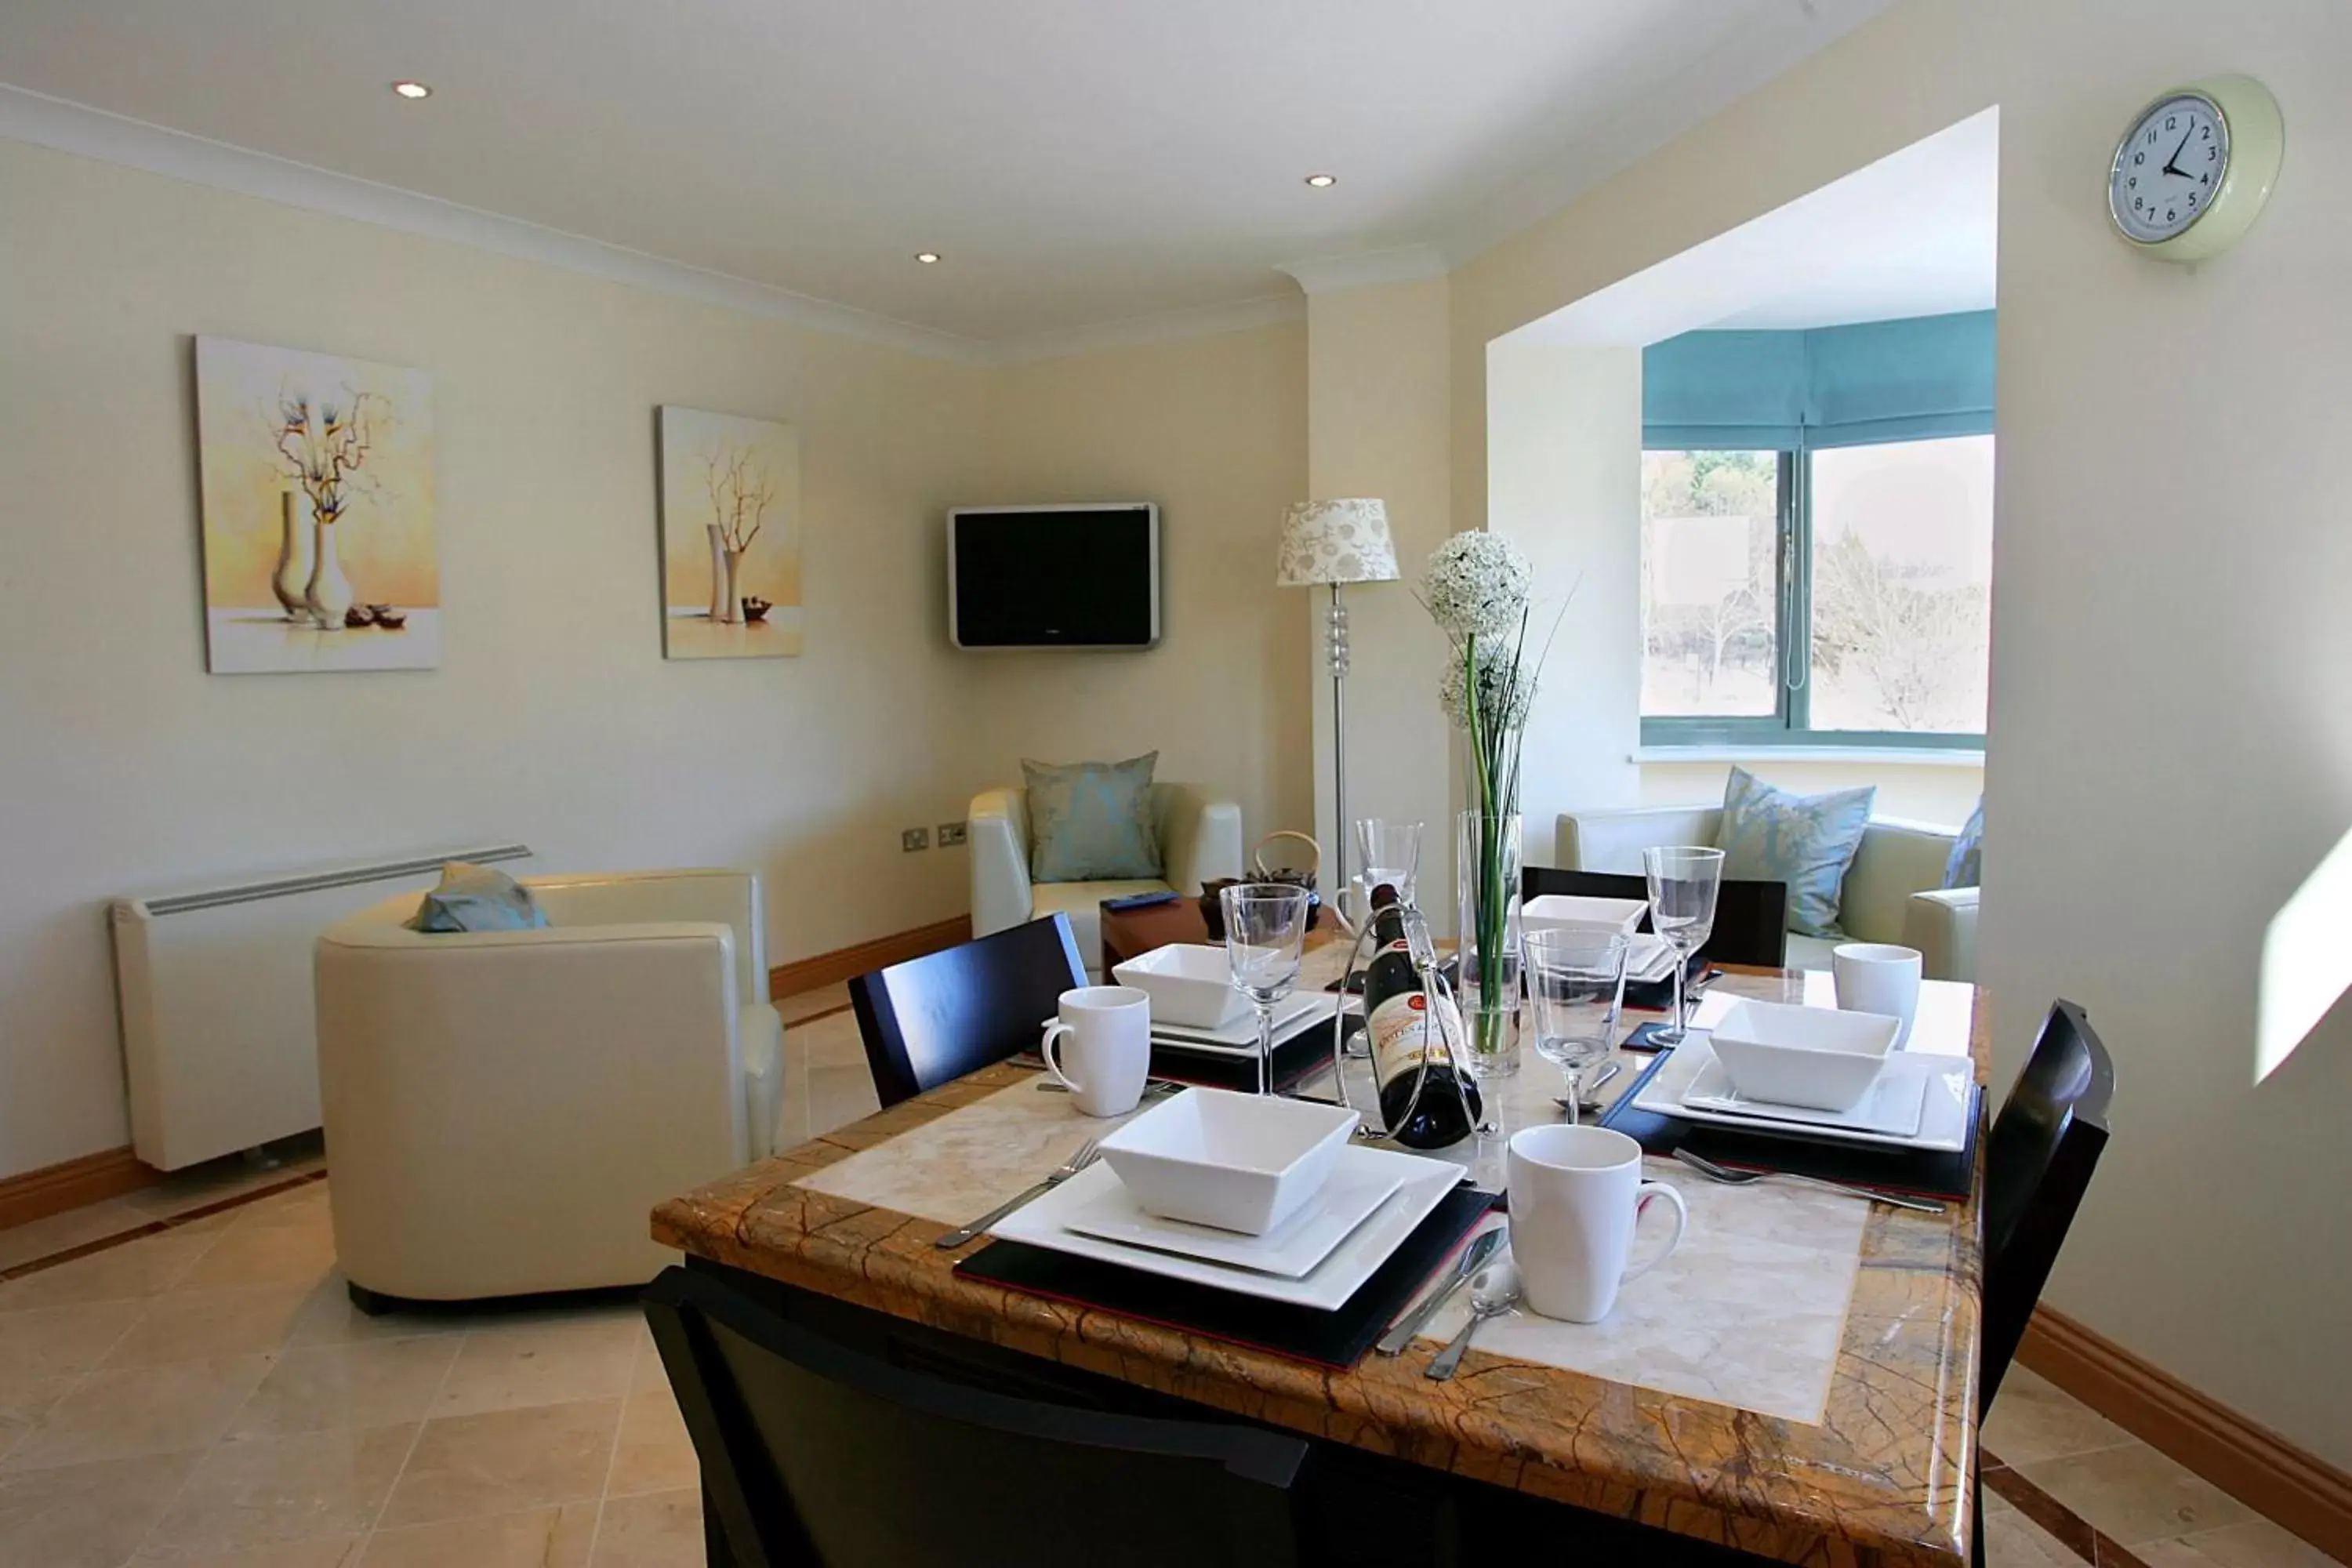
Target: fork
[
  {"x": 1087, "y": 1153},
  {"x": 1731, "y": 1178}
]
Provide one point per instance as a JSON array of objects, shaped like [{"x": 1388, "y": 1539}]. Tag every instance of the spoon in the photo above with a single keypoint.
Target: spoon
[
  {"x": 1731, "y": 1178},
  {"x": 1485, "y": 1302},
  {"x": 1591, "y": 1104}
]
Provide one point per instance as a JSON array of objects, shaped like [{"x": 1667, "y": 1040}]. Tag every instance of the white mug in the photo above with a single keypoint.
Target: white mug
[
  {"x": 1878, "y": 978},
  {"x": 1110, "y": 1050},
  {"x": 1576, "y": 1193}
]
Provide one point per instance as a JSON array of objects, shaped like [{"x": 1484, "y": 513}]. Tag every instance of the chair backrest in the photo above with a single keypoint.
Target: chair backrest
[
  {"x": 1751, "y": 919},
  {"x": 939, "y": 1016},
  {"x": 815, "y": 1453},
  {"x": 2038, "y": 1163},
  {"x": 656, "y": 897}
]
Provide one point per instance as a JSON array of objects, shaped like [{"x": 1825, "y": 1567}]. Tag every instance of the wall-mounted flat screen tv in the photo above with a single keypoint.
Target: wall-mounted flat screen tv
[{"x": 1054, "y": 576}]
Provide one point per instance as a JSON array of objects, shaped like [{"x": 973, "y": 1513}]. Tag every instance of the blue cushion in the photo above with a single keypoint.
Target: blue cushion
[
  {"x": 1805, "y": 841},
  {"x": 1965, "y": 866},
  {"x": 478, "y": 897},
  {"x": 1091, "y": 822}
]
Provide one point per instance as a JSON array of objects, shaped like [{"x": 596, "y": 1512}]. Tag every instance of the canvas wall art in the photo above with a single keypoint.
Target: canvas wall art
[
  {"x": 320, "y": 545},
  {"x": 730, "y": 536}
]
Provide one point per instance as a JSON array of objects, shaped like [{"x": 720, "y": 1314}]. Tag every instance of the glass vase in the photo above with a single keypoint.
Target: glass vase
[{"x": 1486, "y": 880}]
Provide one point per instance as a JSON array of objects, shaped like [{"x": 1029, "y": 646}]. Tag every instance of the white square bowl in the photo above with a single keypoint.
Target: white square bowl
[
  {"x": 1554, "y": 911},
  {"x": 1188, "y": 983},
  {"x": 1816, "y": 1056},
  {"x": 1238, "y": 1162}
]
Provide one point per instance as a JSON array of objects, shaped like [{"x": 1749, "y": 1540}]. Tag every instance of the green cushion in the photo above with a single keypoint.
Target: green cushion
[
  {"x": 1806, "y": 841},
  {"x": 1091, "y": 822},
  {"x": 478, "y": 897}
]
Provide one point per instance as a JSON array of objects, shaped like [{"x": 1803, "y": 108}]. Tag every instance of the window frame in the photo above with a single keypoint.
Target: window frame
[{"x": 1790, "y": 725}]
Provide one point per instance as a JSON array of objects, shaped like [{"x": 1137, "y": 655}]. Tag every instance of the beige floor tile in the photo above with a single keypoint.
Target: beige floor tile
[
  {"x": 329, "y": 1552},
  {"x": 660, "y": 1530},
  {"x": 2256, "y": 1544},
  {"x": 183, "y": 1325},
  {"x": 327, "y": 1317},
  {"x": 265, "y": 1255},
  {"x": 649, "y": 1371},
  {"x": 368, "y": 1384},
  {"x": 228, "y": 1177},
  {"x": 58, "y": 1341},
  {"x": 86, "y": 1516},
  {"x": 537, "y": 1538},
  {"x": 75, "y": 1228},
  {"x": 805, "y": 1005},
  {"x": 654, "y": 1453},
  {"x": 23, "y": 1401},
  {"x": 2014, "y": 1540},
  {"x": 2034, "y": 1419},
  {"x": 2136, "y": 1494},
  {"x": 506, "y": 1461},
  {"x": 505, "y": 1368},
  {"x": 259, "y": 1492},
  {"x": 839, "y": 1096},
  {"x": 141, "y": 1410},
  {"x": 305, "y": 1205},
  {"x": 146, "y": 1267}
]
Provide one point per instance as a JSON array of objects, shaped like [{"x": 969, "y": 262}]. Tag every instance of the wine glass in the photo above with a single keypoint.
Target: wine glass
[
  {"x": 1576, "y": 977},
  {"x": 1682, "y": 883},
  {"x": 1389, "y": 852},
  {"x": 1266, "y": 934}
]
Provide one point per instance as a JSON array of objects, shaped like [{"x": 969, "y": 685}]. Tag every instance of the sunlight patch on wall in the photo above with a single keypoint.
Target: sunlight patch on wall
[{"x": 2306, "y": 960}]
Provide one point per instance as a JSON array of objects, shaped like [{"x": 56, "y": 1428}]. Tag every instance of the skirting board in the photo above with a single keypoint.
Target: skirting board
[
  {"x": 2256, "y": 1466},
  {"x": 832, "y": 968},
  {"x": 70, "y": 1184}
]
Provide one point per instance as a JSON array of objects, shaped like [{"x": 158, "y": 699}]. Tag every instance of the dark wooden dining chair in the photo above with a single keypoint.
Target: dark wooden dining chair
[
  {"x": 944, "y": 1014},
  {"x": 816, "y": 1454},
  {"x": 1751, "y": 919}
]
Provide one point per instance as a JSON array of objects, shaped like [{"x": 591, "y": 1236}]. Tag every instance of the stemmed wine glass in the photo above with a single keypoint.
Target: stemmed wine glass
[
  {"x": 1389, "y": 852},
  {"x": 1266, "y": 934},
  {"x": 1576, "y": 977},
  {"x": 1682, "y": 883}
]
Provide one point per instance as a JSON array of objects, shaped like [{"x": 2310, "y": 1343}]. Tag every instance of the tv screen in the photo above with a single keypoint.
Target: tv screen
[{"x": 1054, "y": 576}]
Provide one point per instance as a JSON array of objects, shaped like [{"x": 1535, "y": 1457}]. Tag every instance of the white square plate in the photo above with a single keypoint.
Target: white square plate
[
  {"x": 1326, "y": 1287},
  {"x": 1894, "y": 1105},
  {"x": 1943, "y": 1117},
  {"x": 1349, "y": 1196},
  {"x": 1574, "y": 909},
  {"x": 1301, "y": 1010}
]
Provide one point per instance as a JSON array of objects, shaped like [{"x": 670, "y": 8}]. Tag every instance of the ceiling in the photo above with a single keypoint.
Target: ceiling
[{"x": 1075, "y": 162}]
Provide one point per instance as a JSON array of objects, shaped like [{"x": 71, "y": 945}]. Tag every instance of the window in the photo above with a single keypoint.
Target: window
[{"x": 1837, "y": 595}]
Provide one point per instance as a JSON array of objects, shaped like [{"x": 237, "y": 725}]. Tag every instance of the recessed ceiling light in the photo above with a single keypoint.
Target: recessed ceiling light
[
  {"x": 927, "y": 257},
  {"x": 1322, "y": 182},
  {"x": 411, "y": 90}
]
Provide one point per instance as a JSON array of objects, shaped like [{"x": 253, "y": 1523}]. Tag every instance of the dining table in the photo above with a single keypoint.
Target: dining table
[{"x": 1796, "y": 1383}]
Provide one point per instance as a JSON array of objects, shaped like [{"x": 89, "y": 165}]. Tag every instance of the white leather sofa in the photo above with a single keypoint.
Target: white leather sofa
[
  {"x": 1893, "y": 890},
  {"x": 503, "y": 1110},
  {"x": 1200, "y": 841}
]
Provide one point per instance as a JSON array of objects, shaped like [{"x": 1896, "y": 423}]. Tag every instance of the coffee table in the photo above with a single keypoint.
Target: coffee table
[{"x": 1131, "y": 933}]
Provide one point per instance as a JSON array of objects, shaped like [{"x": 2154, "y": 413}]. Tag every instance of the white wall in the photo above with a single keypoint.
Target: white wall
[
  {"x": 1939, "y": 794},
  {"x": 2170, "y": 750}
]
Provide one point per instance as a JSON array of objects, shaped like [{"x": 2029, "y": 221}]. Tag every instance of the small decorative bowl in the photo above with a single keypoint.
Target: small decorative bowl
[{"x": 756, "y": 609}]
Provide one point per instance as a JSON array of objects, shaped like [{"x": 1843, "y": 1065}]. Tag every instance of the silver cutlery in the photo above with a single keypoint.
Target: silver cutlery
[
  {"x": 1731, "y": 1178},
  {"x": 1158, "y": 1089},
  {"x": 1087, "y": 1155},
  {"x": 1474, "y": 1257},
  {"x": 1591, "y": 1104},
  {"x": 1494, "y": 1304}
]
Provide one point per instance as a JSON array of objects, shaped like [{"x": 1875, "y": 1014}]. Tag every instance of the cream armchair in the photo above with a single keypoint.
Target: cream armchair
[
  {"x": 503, "y": 1110},
  {"x": 1200, "y": 841},
  {"x": 1893, "y": 890}
]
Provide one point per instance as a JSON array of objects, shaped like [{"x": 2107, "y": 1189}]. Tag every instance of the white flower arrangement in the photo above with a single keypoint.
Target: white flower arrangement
[
  {"x": 1507, "y": 692},
  {"x": 1476, "y": 585}
]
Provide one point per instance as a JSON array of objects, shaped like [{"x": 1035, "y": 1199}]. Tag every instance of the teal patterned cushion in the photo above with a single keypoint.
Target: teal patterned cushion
[
  {"x": 1804, "y": 840},
  {"x": 1964, "y": 868},
  {"x": 1091, "y": 822},
  {"x": 476, "y": 897}
]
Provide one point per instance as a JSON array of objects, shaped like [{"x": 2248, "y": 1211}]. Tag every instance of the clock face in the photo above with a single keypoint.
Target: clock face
[{"x": 2168, "y": 168}]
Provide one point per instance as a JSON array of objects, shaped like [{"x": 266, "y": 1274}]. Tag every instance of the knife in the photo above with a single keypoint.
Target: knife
[{"x": 1474, "y": 1257}]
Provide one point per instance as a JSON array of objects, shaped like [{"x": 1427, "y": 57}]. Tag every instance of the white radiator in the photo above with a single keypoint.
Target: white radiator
[{"x": 219, "y": 1028}]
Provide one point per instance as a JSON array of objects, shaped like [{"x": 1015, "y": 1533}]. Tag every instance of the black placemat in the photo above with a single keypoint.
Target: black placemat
[
  {"x": 1334, "y": 1338},
  {"x": 1915, "y": 1173},
  {"x": 1295, "y": 1060}
]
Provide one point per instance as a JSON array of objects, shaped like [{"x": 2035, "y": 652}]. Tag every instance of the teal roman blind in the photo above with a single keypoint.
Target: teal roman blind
[{"x": 1832, "y": 386}]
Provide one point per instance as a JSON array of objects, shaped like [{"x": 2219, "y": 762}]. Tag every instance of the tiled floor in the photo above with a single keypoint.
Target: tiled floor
[{"x": 204, "y": 1396}]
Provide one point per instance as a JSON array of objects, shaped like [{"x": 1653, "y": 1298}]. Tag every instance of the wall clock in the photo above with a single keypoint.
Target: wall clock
[{"x": 2196, "y": 166}]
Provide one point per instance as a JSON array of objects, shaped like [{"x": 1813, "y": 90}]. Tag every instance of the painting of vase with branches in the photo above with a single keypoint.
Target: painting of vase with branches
[
  {"x": 730, "y": 536},
  {"x": 319, "y": 543}
]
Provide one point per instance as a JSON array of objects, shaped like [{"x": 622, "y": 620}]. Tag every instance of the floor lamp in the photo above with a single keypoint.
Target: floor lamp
[{"x": 1327, "y": 544}]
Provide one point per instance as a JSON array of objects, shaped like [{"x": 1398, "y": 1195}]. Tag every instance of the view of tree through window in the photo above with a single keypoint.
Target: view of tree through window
[{"x": 1893, "y": 584}]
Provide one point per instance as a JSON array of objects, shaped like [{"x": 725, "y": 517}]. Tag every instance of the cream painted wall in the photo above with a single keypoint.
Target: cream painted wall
[
  {"x": 553, "y": 718},
  {"x": 1213, "y": 429},
  {"x": 2157, "y": 626},
  {"x": 1939, "y": 794}
]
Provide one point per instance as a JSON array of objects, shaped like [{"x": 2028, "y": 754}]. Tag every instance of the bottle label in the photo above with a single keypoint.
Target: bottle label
[{"x": 1403, "y": 1036}]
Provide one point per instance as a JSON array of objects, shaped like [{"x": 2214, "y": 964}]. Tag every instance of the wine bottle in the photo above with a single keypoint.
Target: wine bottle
[{"x": 1409, "y": 1046}]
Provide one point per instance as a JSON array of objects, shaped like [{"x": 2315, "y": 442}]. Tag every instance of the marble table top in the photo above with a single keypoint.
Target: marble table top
[{"x": 1803, "y": 1388}]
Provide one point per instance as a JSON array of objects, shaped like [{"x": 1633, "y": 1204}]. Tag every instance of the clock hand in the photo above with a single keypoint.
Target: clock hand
[{"x": 2168, "y": 168}]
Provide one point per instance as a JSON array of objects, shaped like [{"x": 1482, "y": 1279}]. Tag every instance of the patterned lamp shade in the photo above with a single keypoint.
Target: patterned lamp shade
[{"x": 1335, "y": 542}]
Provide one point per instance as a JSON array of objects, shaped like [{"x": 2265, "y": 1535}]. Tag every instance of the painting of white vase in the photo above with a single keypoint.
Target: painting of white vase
[
  {"x": 730, "y": 527},
  {"x": 321, "y": 547}
]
